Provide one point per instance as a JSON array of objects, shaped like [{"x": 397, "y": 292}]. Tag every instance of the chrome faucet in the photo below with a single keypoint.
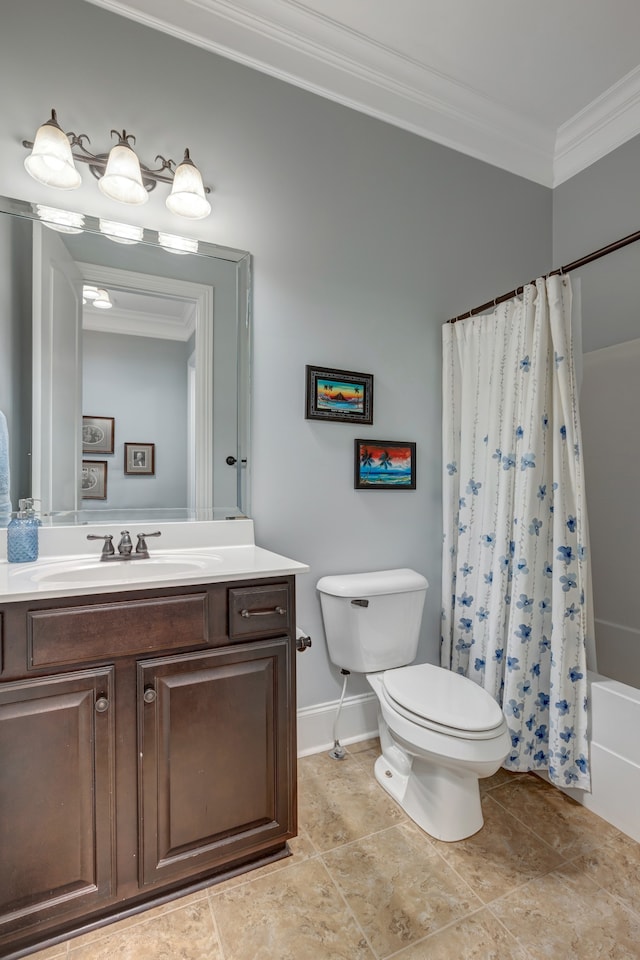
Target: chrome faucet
[{"x": 125, "y": 546}]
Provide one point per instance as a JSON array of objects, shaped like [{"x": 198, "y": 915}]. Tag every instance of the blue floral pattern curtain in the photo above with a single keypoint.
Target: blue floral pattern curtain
[{"x": 516, "y": 589}]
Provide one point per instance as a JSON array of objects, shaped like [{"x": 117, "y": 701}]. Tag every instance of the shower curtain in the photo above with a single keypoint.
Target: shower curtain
[{"x": 516, "y": 590}]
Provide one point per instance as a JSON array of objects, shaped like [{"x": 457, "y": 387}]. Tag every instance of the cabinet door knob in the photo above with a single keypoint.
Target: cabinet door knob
[
  {"x": 149, "y": 695},
  {"x": 102, "y": 705}
]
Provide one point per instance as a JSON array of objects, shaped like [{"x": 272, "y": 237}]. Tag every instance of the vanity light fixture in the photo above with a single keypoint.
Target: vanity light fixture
[{"x": 120, "y": 174}]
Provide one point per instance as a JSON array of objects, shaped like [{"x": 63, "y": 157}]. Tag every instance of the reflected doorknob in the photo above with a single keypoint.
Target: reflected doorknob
[{"x": 231, "y": 460}]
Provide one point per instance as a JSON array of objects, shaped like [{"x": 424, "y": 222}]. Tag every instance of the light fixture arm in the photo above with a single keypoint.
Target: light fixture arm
[{"x": 97, "y": 162}]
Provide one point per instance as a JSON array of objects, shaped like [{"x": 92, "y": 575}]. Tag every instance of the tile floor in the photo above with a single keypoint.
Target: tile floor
[{"x": 544, "y": 878}]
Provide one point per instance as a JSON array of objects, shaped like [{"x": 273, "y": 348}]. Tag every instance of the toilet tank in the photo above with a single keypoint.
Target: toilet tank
[{"x": 372, "y": 620}]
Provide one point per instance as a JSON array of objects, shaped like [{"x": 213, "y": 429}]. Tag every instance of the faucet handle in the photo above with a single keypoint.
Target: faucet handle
[
  {"x": 107, "y": 550},
  {"x": 142, "y": 545}
]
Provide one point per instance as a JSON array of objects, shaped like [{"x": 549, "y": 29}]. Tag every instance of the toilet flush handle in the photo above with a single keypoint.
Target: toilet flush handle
[{"x": 359, "y": 603}]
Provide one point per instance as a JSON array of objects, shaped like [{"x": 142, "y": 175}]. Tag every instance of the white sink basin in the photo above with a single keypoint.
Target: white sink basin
[{"x": 87, "y": 572}]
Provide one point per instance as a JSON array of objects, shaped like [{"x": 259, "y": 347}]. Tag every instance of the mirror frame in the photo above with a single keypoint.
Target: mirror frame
[{"x": 244, "y": 301}]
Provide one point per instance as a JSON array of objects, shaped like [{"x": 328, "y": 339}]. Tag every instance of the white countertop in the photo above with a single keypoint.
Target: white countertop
[{"x": 187, "y": 553}]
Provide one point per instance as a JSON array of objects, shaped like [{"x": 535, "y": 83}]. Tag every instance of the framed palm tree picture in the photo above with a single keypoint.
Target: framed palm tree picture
[
  {"x": 385, "y": 465},
  {"x": 339, "y": 395}
]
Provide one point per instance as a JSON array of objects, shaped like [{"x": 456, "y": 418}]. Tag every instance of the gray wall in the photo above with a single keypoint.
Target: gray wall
[
  {"x": 142, "y": 383},
  {"x": 597, "y": 207},
  {"x": 365, "y": 238}
]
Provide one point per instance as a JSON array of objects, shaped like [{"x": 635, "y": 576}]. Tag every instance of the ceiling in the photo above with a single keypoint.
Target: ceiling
[
  {"x": 140, "y": 314},
  {"x": 540, "y": 89}
]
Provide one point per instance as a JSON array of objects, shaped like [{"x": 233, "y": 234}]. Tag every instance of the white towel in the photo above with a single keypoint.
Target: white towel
[{"x": 5, "y": 501}]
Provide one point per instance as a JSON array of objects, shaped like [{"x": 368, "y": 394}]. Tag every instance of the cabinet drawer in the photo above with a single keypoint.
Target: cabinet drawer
[
  {"x": 83, "y": 633},
  {"x": 258, "y": 611}
]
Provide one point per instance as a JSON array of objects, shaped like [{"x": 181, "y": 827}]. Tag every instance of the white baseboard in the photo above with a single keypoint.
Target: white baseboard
[{"x": 358, "y": 721}]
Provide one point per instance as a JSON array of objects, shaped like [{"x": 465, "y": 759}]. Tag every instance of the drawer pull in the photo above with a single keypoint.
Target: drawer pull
[
  {"x": 102, "y": 705},
  {"x": 149, "y": 695},
  {"x": 263, "y": 613}
]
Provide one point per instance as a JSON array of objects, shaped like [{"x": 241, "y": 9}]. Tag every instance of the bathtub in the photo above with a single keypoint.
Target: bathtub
[{"x": 615, "y": 754}]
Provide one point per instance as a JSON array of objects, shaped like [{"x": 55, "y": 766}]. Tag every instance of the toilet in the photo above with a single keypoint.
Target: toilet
[{"x": 439, "y": 731}]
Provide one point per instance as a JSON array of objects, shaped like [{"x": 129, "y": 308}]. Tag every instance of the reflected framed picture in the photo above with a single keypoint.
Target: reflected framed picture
[
  {"x": 385, "y": 465},
  {"x": 94, "y": 480},
  {"x": 139, "y": 459},
  {"x": 339, "y": 395},
  {"x": 98, "y": 434}
]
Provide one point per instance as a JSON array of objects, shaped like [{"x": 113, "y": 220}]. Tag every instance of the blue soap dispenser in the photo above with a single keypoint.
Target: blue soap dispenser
[{"x": 22, "y": 534}]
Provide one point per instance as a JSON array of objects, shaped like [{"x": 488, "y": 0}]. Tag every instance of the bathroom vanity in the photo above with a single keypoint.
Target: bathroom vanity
[{"x": 147, "y": 729}]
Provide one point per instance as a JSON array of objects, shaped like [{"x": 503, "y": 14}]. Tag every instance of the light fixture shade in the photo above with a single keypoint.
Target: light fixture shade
[
  {"x": 187, "y": 197},
  {"x": 122, "y": 180},
  {"x": 51, "y": 160},
  {"x": 103, "y": 300}
]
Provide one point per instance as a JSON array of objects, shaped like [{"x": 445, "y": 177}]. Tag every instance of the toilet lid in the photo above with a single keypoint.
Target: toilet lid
[{"x": 444, "y": 698}]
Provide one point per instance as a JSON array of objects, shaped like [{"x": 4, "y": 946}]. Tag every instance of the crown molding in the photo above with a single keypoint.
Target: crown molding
[
  {"x": 311, "y": 51},
  {"x": 286, "y": 40},
  {"x": 602, "y": 126},
  {"x": 136, "y": 323}
]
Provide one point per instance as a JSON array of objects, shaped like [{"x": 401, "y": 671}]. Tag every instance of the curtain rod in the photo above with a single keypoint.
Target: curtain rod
[{"x": 567, "y": 268}]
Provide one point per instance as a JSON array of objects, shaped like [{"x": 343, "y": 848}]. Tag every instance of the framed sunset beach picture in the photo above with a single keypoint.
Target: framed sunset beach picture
[
  {"x": 339, "y": 395},
  {"x": 385, "y": 465}
]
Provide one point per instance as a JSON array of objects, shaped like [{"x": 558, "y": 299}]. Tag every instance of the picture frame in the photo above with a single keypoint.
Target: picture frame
[
  {"x": 139, "y": 459},
  {"x": 94, "y": 480},
  {"x": 338, "y": 395},
  {"x": 98, "y": 434},
  {"x": 384, "y": 465}
]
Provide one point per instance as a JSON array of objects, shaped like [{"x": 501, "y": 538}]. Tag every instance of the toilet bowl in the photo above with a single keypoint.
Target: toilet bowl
[
  {"x": 439, "y": 731},
  {"x": 429, "y": 766}
]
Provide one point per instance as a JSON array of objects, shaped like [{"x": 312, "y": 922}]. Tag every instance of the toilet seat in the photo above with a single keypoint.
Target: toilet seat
[{"x": 457, "y": 706}]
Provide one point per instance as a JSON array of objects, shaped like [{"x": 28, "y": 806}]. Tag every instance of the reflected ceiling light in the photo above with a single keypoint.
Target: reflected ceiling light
[
  {"x": 187, "y": 197},
  {"x": 64, "y": 221},
  {"x": 173, "y": 244},
  {"x": 121, "y": 232},
  {"x": 89, "y": 293},
  {"x": 103, "y": 300},
  {"x": 120, "y": 174},
  {"x": 51, "y": 160}
]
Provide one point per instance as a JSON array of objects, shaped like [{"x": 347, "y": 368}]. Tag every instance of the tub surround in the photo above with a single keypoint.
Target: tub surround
[{"x": 615, "y": 755}]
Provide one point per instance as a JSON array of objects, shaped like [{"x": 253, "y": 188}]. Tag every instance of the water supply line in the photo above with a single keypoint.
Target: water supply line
[{"x": 338, "y": 752}]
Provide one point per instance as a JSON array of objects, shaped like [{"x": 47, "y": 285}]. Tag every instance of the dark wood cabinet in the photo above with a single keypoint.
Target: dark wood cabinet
[
  {"x": 136, "y": 764},
  {"x": 56, "y": 790},
  {"x": 212, "y": 726}
]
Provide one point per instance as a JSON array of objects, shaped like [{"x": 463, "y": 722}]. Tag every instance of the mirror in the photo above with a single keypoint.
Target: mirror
[{"x": 160, "y": 381}]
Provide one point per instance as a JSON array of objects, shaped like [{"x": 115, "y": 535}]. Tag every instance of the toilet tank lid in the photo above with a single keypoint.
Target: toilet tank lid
[{"x": 376, "y": 583}]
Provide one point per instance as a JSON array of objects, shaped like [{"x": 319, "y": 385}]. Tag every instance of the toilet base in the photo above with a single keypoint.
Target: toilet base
[{"x": 443, "y": 802}]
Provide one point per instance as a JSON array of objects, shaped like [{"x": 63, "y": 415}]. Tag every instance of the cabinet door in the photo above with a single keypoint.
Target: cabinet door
[
  {"x": 56, "y": 789},
  {"x": 217, "y": 758}
]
